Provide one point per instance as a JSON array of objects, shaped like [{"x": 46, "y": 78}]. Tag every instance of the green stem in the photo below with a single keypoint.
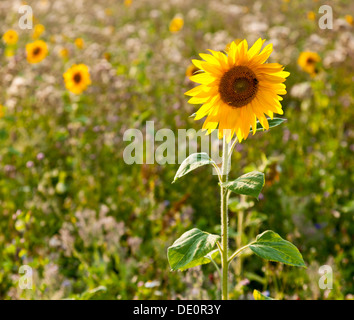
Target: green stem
[
  {"x": 238, "y": 251},
  {"x": 224, "y": 222},
  {"x": 240, "y": 216}
]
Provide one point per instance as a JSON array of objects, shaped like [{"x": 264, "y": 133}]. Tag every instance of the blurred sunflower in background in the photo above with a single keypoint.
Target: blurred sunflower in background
[
  {"x": 128, "y": 3},
  {"x": 311, "y": 16},
  {"x": 2, "y": 113},
  {"x": 308, "y": 62},
  {"x": 38, "y": 31},
  {"x": 10, "y": 37},
  {"x": 176, "y": 24},
  {"x": 64, "y": 53},
  {"x": 77, "y": 78},
  {"x": 349, "y": 19},
  {"x": 36, "y": 51},
  {"x": 238, "y": 88},
  {"x": 79, "y": 43}
]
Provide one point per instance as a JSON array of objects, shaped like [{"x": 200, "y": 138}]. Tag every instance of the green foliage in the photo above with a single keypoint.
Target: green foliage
[
  {"x": 191, "y": 163},
  {"x": 81, "y": 218},
  {"x": 270, "y": 246},
  {"x": 272, "y": 123},
  {"x": 249, "y": 184},
  {"x": 190, "y": 249}
]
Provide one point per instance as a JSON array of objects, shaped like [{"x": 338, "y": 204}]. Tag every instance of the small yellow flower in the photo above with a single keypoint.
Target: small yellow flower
[
  {"x": 79, "y": 43},
  {"x": 349, "y": 19},
  {"x": 36, "y": 51},
  {"x": 38, "y": 31},
  {"x": 108, "y": 12},
  {"x": 191, "y": 70},
  {"x": 10, "y": 37},
  {"x": 2, "y": 113},
  {"x": 311, "y": 15},
  {"x": 308, "y": 62},
  {"x": 77, "y": 78},
  {"x": 176, "y": 24},
  {"x": 128, "y": 3},
  {"x": 64, "y": 53}
]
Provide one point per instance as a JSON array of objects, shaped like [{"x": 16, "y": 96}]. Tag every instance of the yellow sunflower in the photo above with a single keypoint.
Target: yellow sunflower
[
  {"x": 238, "y": 88},
  {"x": 176, "y": 24},
  {"x": 36, "y": 51},
  {"x": 2, "y": 113},
  {"x": 308, "y": 62},
  {"x": 349, "y": 19},
  {"x": 64, "y": 53},
  {"x": 10, "y": 37},
  {"x": 77, "y": 78},
  {"x": 38, "y": 31},
  {"x": 79, "y": 43},
  {"x": 128, "y": 3},
  {"x": 311, "y": 16}
]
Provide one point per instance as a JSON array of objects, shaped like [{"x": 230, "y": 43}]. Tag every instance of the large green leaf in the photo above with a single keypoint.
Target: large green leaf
[
  {"x": 270, "y": 246},
  {"x": 191, "y": 163},
  {"x": 190, "y": 249},
  {"x": 272, "y": 123},
  {"x": 260, "y": 296},
  {"x": 250, "y": 184}
]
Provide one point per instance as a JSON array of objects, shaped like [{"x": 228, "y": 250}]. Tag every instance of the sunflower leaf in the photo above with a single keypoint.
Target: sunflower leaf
[
  {"x": 191, "y": 249},
  {"x": 249, "y": 184},
  {"x": 270, "y": 246},
  {"x": 191, "y": 163},
  {"x": 272, "y": 123}
]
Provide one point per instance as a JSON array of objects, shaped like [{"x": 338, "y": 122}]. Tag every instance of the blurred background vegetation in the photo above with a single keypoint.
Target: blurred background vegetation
[{"x": 93, "y": 227}]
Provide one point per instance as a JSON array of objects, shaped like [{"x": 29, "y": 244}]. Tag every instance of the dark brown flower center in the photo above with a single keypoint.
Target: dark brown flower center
[
  {"x": 37, "y": 51},
  {"x": 238, "y": 86},
  {"x": 77, "y": 77},
  {"x": 310, "y": 61}
]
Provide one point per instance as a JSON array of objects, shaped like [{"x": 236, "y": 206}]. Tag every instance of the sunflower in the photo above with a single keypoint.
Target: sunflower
[
  {"x": 64, "y": 53},
  {"x": 238, "y": 88},
  {"x": 77, "y": 78},
  {"x": 2, "y": 113},
  {"x": 10, "y": 37},
  {"x": 36, "y": 51},
  {"x": 79, "y": 43},
  {"x": 128, "y": 3},
  {"x": 308, "y": 62},
  {"x": 176, "y": 24},
  {"x": 349, "y": 19},
  {"x": 311, "y": 16},
  {"x": 38, "y": 30}
]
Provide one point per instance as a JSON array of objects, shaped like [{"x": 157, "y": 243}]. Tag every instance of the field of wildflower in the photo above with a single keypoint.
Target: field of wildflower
[{"x": 89, "y": 225}]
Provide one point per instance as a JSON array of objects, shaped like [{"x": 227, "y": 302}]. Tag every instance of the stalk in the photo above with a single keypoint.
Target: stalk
[
  {"x": 224, "y": 221},
  {"x": 240, "y": 216}
]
